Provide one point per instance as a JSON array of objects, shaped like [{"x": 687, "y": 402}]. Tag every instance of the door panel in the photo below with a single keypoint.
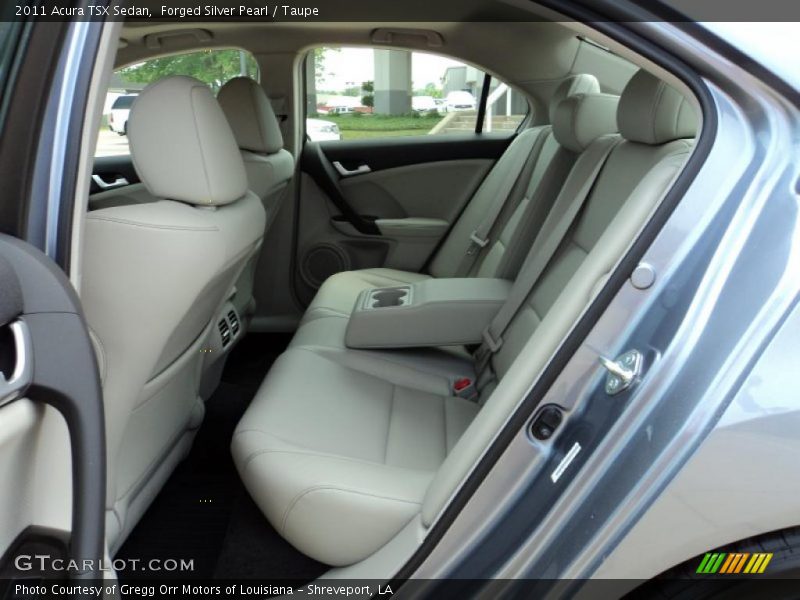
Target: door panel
[
  {"x": 410, "y": 191},
  {"x": 52, "y": 433},
  {"x": 389, "y": 153},
  {"x": 432, "y": 190}
]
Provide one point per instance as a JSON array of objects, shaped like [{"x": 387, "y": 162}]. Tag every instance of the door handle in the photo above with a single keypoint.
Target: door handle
[
  {"x": 14, "y": 386},
  {"x": 104, "y": 185},
  {"x": 345, "y": 172}
]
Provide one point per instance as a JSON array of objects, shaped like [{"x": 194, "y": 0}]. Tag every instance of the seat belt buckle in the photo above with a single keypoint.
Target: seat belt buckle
[
  {"x": 492, "y": 344},
  {"x": 487, "y": 349},
  {"x": 464, "y": 387},
  {"x": 476, "y": 243}
]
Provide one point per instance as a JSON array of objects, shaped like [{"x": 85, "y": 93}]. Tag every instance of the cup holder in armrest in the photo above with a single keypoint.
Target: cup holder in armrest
[{"x": 387, "y": 297}]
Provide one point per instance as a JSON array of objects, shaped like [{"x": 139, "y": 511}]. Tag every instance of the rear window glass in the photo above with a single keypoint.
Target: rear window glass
[
  {"x": 123, "y": 102},
  {"x": 212, "y": 67},
  {"x": 358, "y": 93}
]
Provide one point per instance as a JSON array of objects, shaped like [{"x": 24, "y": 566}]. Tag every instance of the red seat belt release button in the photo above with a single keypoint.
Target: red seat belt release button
[
  {"x": 464, "y": 387},
  {"x": 461, "y": 384}
]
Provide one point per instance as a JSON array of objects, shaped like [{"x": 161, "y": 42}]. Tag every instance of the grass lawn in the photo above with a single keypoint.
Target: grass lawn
[
  {"x": 355, "y": 135},
  {"x": 371, "y": 126}
]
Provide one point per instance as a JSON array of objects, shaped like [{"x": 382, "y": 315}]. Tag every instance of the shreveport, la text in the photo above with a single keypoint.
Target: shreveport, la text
[{"x": 151, "y": 591}]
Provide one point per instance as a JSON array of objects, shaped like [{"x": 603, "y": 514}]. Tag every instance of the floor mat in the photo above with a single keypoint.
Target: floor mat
[{"x": 204, "y": 513}]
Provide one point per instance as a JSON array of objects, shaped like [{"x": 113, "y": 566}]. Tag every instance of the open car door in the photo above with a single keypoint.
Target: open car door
[
  {"x": 52, "y": 432},
  {"x": 48, "y": 379}
]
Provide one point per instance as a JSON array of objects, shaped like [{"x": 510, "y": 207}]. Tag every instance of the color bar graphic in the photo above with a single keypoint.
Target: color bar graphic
[{"x": 734, "y": 563}]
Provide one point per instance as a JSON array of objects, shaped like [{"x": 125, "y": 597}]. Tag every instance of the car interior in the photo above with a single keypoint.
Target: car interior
[{"x": 305, "y": 347}]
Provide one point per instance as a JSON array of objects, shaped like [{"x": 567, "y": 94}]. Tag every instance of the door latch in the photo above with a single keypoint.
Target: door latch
[{"x": 622, "y": 372}]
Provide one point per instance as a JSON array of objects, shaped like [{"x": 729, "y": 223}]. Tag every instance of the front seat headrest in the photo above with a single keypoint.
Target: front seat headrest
[
  {"x": 580, "y": 119},
  {"x": 182, "y": 146},
  {"x": 651, "y": 112},
  {"x": 250, "y": 115},
  {"x": 582, "y": 83}
]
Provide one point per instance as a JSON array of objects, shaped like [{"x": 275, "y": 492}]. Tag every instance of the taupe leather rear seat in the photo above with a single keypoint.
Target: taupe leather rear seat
[
  {"x": 342, "y": 449},
  {"x": 525, "y": 161}
]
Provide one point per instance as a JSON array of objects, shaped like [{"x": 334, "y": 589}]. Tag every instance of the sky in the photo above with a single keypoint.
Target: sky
[
  {"x": 352, "y": 66},
  {"x": 774, "y": 44}
]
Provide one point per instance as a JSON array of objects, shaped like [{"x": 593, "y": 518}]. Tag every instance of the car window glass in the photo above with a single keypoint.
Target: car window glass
[
  {"x": 213, "y": 67},
  {"x": 357, "y": 93}
]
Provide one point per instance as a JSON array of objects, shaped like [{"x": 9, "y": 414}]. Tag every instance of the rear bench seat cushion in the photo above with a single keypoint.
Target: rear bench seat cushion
[{"x": 339, "y": 448}]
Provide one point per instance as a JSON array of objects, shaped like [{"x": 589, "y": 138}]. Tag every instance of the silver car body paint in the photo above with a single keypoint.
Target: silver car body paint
[{"x": 747, "y": 226}]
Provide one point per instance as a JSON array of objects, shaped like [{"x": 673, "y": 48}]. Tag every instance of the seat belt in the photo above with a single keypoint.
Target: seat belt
[
  {"x": 479, "y": 238},
  {"x": 544, "y": 247}
]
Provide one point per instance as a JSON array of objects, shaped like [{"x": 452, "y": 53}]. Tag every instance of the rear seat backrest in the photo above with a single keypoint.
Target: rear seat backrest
[
  {"x": 655, "y": 122},
  {"x": 449, "y": 256},
  {"x": 577, "y": 120},
  {"x": 644, "y": 115},
  {"x": 508, "y": 239}
]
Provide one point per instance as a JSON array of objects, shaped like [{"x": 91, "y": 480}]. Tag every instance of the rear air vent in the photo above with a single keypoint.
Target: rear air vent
[
  {"x": 233, "y": 319},
  {"x": 224, "y": 332}
]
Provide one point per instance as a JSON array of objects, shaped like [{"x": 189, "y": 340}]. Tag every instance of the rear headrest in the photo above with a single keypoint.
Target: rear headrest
[
  {"x": 576, "y": 84},
  {"x": 580, "y": 119},
  {"x": 651, "y": 112},
  {"x": 182, "y": 145},
  {"x": 250, "y": 114}
]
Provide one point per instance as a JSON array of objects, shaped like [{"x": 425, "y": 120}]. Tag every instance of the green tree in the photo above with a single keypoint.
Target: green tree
[
  {"x": 321, "y": 72},
  {"x": 431, "y": 90},
  {"x": 214, "y": 67},
  {"x": 368, "y": 99}
]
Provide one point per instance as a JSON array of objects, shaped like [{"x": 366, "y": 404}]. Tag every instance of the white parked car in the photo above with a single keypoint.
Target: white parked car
[
  {"x": 118, "y": 117},
  {"x": 319, "y": 130},
  {"x": 423, "y": 103},
  {"x": 456, "y": 101}
]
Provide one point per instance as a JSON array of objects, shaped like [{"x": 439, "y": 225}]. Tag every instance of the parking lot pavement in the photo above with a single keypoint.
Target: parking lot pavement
[{"x": 111, "y": 144}]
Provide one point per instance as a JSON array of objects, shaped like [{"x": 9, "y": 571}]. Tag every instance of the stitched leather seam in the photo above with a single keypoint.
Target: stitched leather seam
[
  {"x": 150, "y": 226},
  {"x": 259, "y": 121},
  {"x": 389, "y": 423},
  {"x": 200, "y": 144},
  {"x": 357, "y": 461},
  {"x": 319, "y": 488},
  {"x": 444, "y": 379},
  {"x": 654, "y": 108}
]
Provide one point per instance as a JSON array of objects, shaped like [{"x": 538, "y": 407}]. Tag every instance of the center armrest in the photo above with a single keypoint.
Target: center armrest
[{"x": 435, "y": 312}]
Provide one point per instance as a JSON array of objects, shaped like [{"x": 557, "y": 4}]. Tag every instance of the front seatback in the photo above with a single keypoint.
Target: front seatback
[
  {"x": 269, "y": 167},
  {"x": 154, "y": 276}
]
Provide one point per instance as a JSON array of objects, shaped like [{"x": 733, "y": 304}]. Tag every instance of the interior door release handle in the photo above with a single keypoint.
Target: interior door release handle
[
  {"x": 104, "y": 185},
  {"x": 344, "y": 172},
  {"x": 14, "y": 386}
]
